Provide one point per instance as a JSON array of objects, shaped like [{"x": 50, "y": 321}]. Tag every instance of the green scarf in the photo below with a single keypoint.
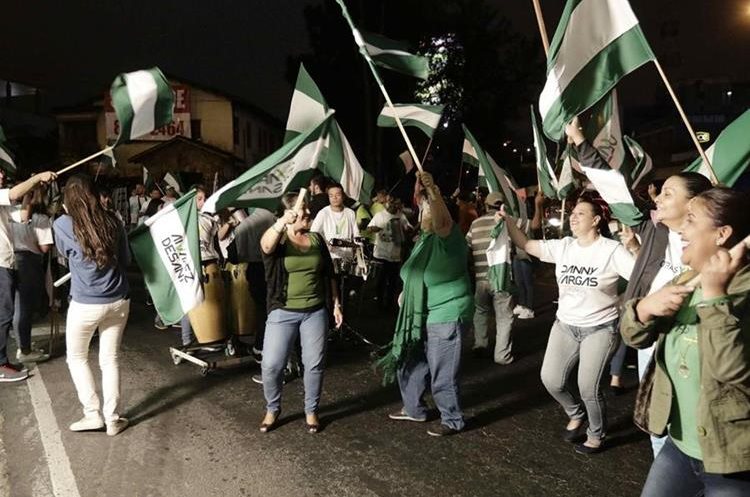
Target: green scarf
[
  {"x": 413, "y": 312},
  {"x": 499, "y": 259}
]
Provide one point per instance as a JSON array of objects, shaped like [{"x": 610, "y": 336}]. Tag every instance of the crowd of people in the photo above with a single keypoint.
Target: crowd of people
[{"x": 446, "y": 266}]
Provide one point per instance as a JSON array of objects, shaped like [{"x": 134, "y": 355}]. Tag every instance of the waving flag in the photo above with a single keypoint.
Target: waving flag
[
  {"x": 6, "y": 159},
  {"x": 596, "y": 44},
  {"x": 604, "y": 132},
  {"x": 167, "y": 250},
  {"x": 730, "y": 153},
  {"x": 395, "y": 55},
  {"x": 143, "y": 101},
  {"x": 424, "y": 117},
  {"x": 547, "y": 178},
  {"x": 643, "y": 163}
]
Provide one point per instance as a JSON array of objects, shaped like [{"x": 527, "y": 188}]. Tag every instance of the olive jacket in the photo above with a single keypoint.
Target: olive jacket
[{"x": 724, "y": 347}]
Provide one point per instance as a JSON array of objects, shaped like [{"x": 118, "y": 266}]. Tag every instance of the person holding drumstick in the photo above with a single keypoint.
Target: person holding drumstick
[{"x": 299, "y": 271}]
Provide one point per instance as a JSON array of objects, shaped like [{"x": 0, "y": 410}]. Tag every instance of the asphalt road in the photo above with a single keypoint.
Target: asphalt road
[{"x": 194, "y": 436}]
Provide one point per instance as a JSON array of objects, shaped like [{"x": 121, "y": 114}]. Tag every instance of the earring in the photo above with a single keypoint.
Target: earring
[{"x": 718, "y": 242}]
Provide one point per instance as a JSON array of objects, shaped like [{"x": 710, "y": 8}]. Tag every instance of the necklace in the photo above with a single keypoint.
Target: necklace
[{"x": 682, "y": 368}]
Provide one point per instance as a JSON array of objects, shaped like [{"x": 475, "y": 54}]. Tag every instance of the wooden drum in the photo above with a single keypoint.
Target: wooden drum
[
  {"x": 207, "y": 319},
  {"x": 241, "y": 312}
]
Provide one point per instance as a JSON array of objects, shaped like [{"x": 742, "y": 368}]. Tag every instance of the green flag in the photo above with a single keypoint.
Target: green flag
[
  {"x": 395, "y": 55},
  {"x": 7, "y": 163},
  {"x": 167, "y": 250},
  {"x": 143, "y": 101},
  {"x": 730, "y": 153},
  {"x": 424, "y": 117},
  {"x": 596, "y": 44},
  {"x": 643, "y": 163},
  {"x": 547, "y": 178}
]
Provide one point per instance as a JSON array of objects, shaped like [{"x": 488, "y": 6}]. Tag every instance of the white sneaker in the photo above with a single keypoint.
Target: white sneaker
[
  {"x": 517, "y": 310},
  {"x": 88, "y": 423},
  {"x": 117, "y": 426},
  {"x": 526, "y": 313},
  {"x": 33, "y": 356}
]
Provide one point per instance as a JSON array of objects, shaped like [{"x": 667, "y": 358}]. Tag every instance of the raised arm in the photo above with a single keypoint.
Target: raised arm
[
  {"x": 518, "y": 237},
  {"x": 273, "y": 235},
  {"x": 442, "y": 223},
  {"x": 17, "y": 192}
]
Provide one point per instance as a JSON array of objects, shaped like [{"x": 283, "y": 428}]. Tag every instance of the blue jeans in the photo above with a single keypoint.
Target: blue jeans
[
  {"x": 436, "y": 365},
  {"x": 282, "y": 329},
  {"x": 644, "y": 357},
  {"x": 591, "y": 348},
  {"x": 485, "y": 301},
  {"x": 7, "y": 292},
  {"x": 617, "y": 366},
  {"x": 29, "y": 291},
  {"x": 523, "y": 271},
  {"x": 675, "y": 474}
]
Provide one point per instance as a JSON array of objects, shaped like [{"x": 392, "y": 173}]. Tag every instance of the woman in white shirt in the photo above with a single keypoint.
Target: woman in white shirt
[
  {"x": 588, "y": 266},
  {"x": 32, "y": 238}
]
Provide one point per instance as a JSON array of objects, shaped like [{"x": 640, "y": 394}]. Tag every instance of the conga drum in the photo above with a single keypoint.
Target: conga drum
[
  {"x": 242, "y": 311},
  {"x": 207, "y": 319}
]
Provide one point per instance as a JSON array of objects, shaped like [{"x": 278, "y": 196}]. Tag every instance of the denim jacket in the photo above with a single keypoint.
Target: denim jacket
[{"x": 724, "y": 347}]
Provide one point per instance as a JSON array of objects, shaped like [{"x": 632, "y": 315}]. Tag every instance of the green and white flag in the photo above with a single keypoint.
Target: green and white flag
[
  {"x": 643, "y": 163},
  {"x": 604, "y": 132},
  {"x": 148, "y": 180},
  {"x": 407, "y": 160},
  {"x": 286, "y": 169},
  {"x": 566, "y": 183},
  {"x": 730, "y": 153},
  {"x": 546, "y": 174},
  {"x": 7, "y": 163},
  {"x": 336, "y": 159},
  {"x": 394, "y": 55},
  {"x": 167, "y": 250},
  {"x": 143, "y": 101},
  {"x": 499, "y": 259},
  {"x": 174, "y": 181},
  {"x": 424, "y": 117},
  {"x": 596, "y": 44}
]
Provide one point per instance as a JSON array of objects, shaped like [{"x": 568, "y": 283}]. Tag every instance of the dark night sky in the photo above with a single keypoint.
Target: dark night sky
[{"x": 76, "y": 47}]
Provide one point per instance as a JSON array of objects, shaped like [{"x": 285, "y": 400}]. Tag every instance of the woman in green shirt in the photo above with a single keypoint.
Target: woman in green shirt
[
  {"x": 697, "y": 392},
  {"x": 298, "y": 272}
]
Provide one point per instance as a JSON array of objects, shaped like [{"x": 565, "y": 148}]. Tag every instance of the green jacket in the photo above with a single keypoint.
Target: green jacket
[{"x": 724, "y": 347}]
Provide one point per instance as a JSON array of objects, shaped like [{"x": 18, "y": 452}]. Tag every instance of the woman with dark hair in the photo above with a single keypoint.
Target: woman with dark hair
[
  {"x": 655, "y": 239},
  {"x": 697, "y": 391},
  {"x": 32, "y": 238},
  {"x": 587, "y": 266},
  {"x": 299, "y": 271},
  {"x": 94, "y": 242}
]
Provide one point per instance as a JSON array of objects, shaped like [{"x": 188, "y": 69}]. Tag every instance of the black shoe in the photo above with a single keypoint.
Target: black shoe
[
  {"x": 258, "y": 378},
  {"x": 480, "y": 352},
  {"x": 440, "y": 430},
  {"x": 576, "y": 434},
  {"x": 586, "y": 449}
]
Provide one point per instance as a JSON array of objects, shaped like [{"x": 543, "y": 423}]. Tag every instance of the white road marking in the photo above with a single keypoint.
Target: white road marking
[{"x": 60, "y": 472}]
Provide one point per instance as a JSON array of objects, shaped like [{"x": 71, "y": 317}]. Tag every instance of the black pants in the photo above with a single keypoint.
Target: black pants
[
  {"x": 389, "y": 282},
  {"x": 256, "y": 278},
  {"x": 7, "y": 297}
]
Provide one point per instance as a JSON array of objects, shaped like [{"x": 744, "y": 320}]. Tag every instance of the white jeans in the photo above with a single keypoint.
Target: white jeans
[{"x": 82, "y": 320}]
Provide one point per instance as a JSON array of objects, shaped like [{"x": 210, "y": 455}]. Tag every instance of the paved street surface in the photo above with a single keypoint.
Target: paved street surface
[{"x": 194, "y": 436}]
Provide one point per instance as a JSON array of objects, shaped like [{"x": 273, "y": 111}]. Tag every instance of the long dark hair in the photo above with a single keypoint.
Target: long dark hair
[
  {"x": 96, "y": 229},
  {"x": 728, "y": 207}
]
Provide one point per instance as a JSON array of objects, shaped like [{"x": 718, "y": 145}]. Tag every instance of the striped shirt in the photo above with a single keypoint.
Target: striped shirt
[{"x": 478, "y": 239}]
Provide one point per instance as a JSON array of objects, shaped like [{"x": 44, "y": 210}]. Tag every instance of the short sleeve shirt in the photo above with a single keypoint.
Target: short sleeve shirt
[
  {"x": 587, "y": 278},
  {"x": 6, "y": 235},
  {"x": 390, "y": 238}
]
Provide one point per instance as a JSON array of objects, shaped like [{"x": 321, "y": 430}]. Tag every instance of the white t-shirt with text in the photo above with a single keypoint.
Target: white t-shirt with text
[
  {"x": 341, "y": 225},
  {"x": 671, "y": 265},
  {"x": 390, "y": 238},
  {"x": 587, "y": 278}
]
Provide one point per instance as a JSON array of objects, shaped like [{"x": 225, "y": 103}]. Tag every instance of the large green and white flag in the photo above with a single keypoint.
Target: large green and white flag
[
  {"x": 643, "y": 163},
  {"x": 167, "y": 250},
  {"x": 336, "y": 159},
  {"x": 604, "y": 132},
  {"x": 730, "y": 153},
  {"x": 143, "y": 101},
  {"x": 286, "y": 169},
  {"x": 394, "y": 55},
  {"x": 7, "y": 163},
  {"x": 424, "y": 117},
  {"x": 546, "y": 174},
  {"x": 566, "y": 182},
  {"x": 596, "y": 44},
  {"x": 148, "y": 180}
]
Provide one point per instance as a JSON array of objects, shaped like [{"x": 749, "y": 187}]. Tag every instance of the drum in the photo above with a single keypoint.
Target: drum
[
  {"x": 342, "y": 265},
  {"x": 207, "y": 319},
  {"x": 241, "y": 311}
]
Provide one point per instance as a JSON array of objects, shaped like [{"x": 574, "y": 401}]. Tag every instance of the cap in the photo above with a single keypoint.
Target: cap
[{"x": 494, "y": 199}]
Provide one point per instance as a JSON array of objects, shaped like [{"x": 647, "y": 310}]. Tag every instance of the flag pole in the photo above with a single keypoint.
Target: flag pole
[
  {"x": 545, "y": 44},
  {"x": 361, "y": 44},
  {"x": 677, "y": 104},
  {"x": 562, "y": 218},
  {"x": 84, "y": 160}
]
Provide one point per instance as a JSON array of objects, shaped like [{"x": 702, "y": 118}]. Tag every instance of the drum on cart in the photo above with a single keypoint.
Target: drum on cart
[
  {"x": 207, "y": 319},
  {"x": 242, "y": 311}
]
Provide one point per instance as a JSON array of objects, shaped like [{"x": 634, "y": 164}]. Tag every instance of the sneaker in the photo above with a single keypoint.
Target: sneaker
[
  {"x": 402, "y": 416},
  {"x": 177, "y": 325},
  {"x": 440, "y": 430},
  {"x": 149, "y": 302},
  {"x": 88, "y": 423},
  {"x": 116, "y": 426},
  {"x": 257, "y": 378},
  {"x": 10, "y": 372},
  {"x": 526, "y": 313},
  {"x": 159, "y": 324},
  {"x": 288, "y": 376},
  {"x": 257, "y": 356},
  {"x": 33, "y": 356},
  {"x": 517, "y": 310}
]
